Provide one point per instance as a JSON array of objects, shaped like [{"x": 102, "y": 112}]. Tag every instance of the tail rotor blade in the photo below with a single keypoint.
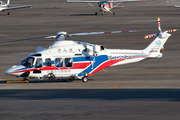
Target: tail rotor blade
[
  {"x": 173, "y": 30},
  {"x": 159, "y": 24},
  {"x": 150, "y": 36}
]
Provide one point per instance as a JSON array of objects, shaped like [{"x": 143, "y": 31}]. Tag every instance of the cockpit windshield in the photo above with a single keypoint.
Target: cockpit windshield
[
  {"x": 103, "y": 2},
  {"x": 2, "y": 3},
  {"x": 27, "y": 62}
]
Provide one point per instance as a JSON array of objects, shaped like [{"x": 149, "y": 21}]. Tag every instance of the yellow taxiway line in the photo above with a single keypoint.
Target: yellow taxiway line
[
  {"x": 5, "y": 80},
  {"x": 17, "y": 81}
]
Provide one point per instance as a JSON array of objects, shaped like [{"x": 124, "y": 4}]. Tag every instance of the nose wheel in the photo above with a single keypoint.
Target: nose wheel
[
  {"x": 71, "y": 79},
  {"x": 85, "y": 79}
]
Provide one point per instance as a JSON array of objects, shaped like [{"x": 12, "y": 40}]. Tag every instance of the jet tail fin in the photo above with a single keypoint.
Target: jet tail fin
[{"x": 8, "y": 2}]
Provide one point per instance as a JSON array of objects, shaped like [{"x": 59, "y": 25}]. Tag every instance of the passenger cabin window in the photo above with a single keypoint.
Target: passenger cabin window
[
  {"x": 59, "y": 62},
  {"x": 39, "y": 63},
  {"x": 48, "y": 62},
  {"x": 68, "y": 62}
]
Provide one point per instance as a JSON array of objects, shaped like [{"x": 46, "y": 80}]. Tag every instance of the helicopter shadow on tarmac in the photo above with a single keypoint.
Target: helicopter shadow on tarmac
[{"x": 102, "y": 94}]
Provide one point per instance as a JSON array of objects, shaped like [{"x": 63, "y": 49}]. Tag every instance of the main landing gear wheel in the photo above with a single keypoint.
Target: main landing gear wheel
[
  {"x": 95, "y": 13},
  {"x": 71, "y": 79},
  {"x": 102, "y": 13},
  {"x": 85, "y": 79},
  {"x": 8, "y": 13},
  {"x": 51, "y": 76}
]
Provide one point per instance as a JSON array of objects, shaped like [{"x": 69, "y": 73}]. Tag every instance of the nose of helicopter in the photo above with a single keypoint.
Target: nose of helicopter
[
  {"x": 11, "y": 71},
  {"x": 8, "y": 71}
]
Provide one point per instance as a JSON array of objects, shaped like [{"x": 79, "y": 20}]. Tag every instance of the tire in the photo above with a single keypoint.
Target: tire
[
  {"x": 85, "y": 79},
  {"x": 71, "y": 79},
  {"x": 95, "y": 13},
  {"x": 114, "y": 13}
]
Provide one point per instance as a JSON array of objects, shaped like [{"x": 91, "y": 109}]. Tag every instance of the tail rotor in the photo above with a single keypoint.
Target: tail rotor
[{"x": 160, "y": 34}]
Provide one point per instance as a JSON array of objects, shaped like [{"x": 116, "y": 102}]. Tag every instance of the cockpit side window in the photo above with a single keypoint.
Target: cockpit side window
[
  {"x": 28, "y": 62},
  {"x": 68, "y": 62},
  {"x": 39, "y": 63},
  {"x": 59, "y": 62},
  {"x": 48, "y": 62}
]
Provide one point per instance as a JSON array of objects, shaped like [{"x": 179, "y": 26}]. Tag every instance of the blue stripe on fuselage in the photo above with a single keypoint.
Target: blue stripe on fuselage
[{"x": 98, "y": 60}]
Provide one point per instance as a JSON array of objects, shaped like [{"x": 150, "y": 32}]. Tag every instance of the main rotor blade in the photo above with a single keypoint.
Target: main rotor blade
[
  {"x": 94, "y": 33},
  {"x": 51, "y": 36}
]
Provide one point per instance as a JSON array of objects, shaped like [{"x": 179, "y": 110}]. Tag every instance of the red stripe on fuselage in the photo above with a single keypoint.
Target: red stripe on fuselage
[
  {"x": 105, "y": 5},
  {"x": 110, "y": 63},
  {"x": 104, "y": 65},
  {"x": 82, "y": 65}
]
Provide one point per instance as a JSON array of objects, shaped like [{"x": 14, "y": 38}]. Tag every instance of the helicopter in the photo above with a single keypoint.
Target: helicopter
[{"x": 69, "y": 59}]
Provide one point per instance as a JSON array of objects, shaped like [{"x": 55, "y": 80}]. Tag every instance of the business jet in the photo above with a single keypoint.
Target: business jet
[{"x": 6, "y": 7}]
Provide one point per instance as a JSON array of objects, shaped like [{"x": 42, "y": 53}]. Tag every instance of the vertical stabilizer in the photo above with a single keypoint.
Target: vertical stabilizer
[
  {"x": 111, "y": 4},
  {"x": 153, "y": 50},
  {"x": 8, "y": 2}
]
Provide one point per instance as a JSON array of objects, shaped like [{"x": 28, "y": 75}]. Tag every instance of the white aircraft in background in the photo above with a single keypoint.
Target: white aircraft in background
[
  {"x": 105, "y": 6},
  {"x": 5, "y": 7},
  {"x": 68, "y": 59},
  {"x": 176, "y": 6}
]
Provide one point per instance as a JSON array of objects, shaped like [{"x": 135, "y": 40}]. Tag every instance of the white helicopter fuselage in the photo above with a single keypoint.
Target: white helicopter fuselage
[{"x": 77, "y": 59}]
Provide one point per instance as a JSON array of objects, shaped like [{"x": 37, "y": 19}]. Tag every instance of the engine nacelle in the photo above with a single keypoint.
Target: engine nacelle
[{"x": 96, "y": 48}]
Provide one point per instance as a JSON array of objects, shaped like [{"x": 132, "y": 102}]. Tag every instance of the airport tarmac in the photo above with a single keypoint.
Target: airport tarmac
[{"x": 145, "y": 90}]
